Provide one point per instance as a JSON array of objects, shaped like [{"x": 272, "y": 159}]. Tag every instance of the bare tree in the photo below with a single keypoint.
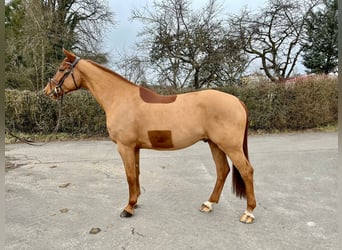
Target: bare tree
[
  {"x": 187, "y": 47},
  {"x": 49, "y": 25},
  {"x": 274, "y": 35},
  {"x": 132, "y": 66}
]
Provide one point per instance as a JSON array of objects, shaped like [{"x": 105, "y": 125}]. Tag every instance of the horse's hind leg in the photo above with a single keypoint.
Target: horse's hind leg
[
  {"x": 246, "y": 171},
  {"x": 222, "y": 171}
]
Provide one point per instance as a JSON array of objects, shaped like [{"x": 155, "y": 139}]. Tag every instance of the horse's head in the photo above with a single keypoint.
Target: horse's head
[{"x": 66, "y": 79}]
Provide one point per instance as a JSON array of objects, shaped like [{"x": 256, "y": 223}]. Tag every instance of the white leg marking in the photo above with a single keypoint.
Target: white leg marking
[{"x": 207, "y": 206}]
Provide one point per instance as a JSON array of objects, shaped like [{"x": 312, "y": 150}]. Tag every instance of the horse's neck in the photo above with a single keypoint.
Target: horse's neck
[{"x": 106, "y": 86}]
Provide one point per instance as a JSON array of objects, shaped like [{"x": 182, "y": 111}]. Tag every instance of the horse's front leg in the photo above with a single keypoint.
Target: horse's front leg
[
  {"x": 128, "y": 156},
  {"x": 137, "y": 169}
]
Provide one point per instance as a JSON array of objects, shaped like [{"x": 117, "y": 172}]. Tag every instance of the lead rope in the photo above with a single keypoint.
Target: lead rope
[
  {"x": 60, "y": 104},
  {"x": 32, "y": 142}
]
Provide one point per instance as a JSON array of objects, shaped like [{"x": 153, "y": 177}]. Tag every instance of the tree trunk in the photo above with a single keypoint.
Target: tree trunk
[{"x": 196, "y": 79}]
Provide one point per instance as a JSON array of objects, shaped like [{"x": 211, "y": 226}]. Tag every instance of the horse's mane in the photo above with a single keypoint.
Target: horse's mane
[{"x": 110, "y": 71}]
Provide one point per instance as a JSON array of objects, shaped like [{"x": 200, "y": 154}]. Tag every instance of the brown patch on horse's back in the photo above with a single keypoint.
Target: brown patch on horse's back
[
  {"x": 160, "y": 138},
  {"x": 150, "y": 97}
]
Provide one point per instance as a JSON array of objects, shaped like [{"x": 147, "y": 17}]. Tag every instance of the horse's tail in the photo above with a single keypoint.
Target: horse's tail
[{"x": 239, "y": 188}]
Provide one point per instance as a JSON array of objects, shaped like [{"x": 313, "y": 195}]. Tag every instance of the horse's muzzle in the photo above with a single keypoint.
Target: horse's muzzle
[{"x": 54, "y": 93}]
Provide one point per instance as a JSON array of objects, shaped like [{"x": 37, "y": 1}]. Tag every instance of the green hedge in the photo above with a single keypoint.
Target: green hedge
[{"x": 307, "y": 104}]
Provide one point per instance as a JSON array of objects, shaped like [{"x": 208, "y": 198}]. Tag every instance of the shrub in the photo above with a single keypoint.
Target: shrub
[
  {"x": 305, "y": 104},
  {"x": 30, "y": 112}
]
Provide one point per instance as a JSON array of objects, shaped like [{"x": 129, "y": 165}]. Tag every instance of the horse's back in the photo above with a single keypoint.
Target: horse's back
[{"x": 214, "y": 101}]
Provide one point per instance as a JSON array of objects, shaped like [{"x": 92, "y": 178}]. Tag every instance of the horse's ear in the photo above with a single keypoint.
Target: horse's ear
[{"x": 69, "y": 55}]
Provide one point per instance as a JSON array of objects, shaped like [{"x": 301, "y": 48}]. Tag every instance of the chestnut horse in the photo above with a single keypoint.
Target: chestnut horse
[{"x": 139, "y": 118}]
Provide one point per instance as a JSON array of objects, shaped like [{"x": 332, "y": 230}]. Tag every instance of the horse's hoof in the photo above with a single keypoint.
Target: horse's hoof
[
  {"x": 206, "y": 207},
  {"x": 247, "y": 218},
  {"x": 125, "y": 214}
]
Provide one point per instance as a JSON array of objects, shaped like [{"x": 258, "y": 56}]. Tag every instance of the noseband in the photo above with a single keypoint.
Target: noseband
[{"x": 58, "y": 91}]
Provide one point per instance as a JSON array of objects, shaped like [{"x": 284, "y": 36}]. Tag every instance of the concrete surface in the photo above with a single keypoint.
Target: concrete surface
[{"x": 58, "y": 193}]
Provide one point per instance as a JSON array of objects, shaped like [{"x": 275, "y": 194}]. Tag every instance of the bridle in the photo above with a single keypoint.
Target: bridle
[{"x": 58, "y": 91}]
